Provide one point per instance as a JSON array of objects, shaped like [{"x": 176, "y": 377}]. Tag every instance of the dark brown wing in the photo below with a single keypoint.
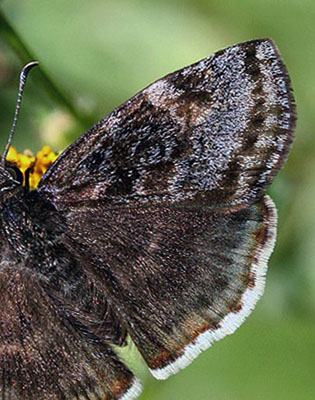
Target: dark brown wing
[
  {"x": 43, "y": 357},
  {"x": 180, "y": 278},
  {"x": 214, "y": 133},
  {"x": 142, "y": 195}
]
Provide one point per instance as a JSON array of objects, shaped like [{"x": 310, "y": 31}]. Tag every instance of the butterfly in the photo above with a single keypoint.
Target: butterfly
[{"x": 153, "y": 225}]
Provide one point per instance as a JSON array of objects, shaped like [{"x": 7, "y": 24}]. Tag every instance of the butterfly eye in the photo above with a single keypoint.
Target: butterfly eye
[{"x": 16, "y": 173}]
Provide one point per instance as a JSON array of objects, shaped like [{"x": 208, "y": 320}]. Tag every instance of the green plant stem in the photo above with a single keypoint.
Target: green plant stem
[{"x": 25, "y": 55}]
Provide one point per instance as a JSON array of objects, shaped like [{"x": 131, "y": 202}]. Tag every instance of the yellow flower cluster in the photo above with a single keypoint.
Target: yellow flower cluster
[{"x": 37, "y": 165}]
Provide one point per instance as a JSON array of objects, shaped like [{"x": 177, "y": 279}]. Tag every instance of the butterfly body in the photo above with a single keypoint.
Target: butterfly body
[{"x": 153, "y": 224}]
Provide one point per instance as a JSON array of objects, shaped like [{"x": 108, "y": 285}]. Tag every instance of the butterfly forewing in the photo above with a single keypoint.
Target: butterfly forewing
[{"x": 214, "y": 133}]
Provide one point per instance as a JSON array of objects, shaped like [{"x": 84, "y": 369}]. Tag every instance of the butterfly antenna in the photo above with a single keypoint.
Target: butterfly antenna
[{"x": 23, "y": 77}]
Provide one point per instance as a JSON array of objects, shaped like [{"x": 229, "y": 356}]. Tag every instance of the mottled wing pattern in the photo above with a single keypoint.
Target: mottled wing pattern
[
  {"x": 181, "y": 278},
  {"x": 214, "y": 133},
  {"x": 164, "y": 199},
  {"x": 43, "y": 357}
]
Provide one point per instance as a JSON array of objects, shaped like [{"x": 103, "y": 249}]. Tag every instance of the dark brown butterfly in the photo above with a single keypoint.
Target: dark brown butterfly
[{"x": 153, "y": 224}]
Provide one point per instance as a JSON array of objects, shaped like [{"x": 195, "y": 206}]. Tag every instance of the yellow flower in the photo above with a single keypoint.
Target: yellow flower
[{"x": 35, "y": 166}]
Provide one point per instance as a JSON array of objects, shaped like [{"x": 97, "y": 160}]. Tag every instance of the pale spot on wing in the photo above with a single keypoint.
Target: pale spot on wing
[{"x": 161, "y": 92}]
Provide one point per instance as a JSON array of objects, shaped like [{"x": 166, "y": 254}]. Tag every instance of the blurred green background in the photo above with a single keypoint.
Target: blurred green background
[{"x": 99, "y": 53}]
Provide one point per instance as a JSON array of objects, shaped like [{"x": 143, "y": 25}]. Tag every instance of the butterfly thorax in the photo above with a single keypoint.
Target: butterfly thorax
[
  {"x": 34, "y": 241},
  {"x": 27, "y": 225}
]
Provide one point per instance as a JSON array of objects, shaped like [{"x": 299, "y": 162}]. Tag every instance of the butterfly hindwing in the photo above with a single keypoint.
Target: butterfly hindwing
[
  {"x": 177, "y": 276},
  {"x": 214, "y": 133}
]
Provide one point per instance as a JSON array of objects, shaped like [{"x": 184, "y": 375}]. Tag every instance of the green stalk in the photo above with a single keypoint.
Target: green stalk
[{"x": 9, "y": 34}]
